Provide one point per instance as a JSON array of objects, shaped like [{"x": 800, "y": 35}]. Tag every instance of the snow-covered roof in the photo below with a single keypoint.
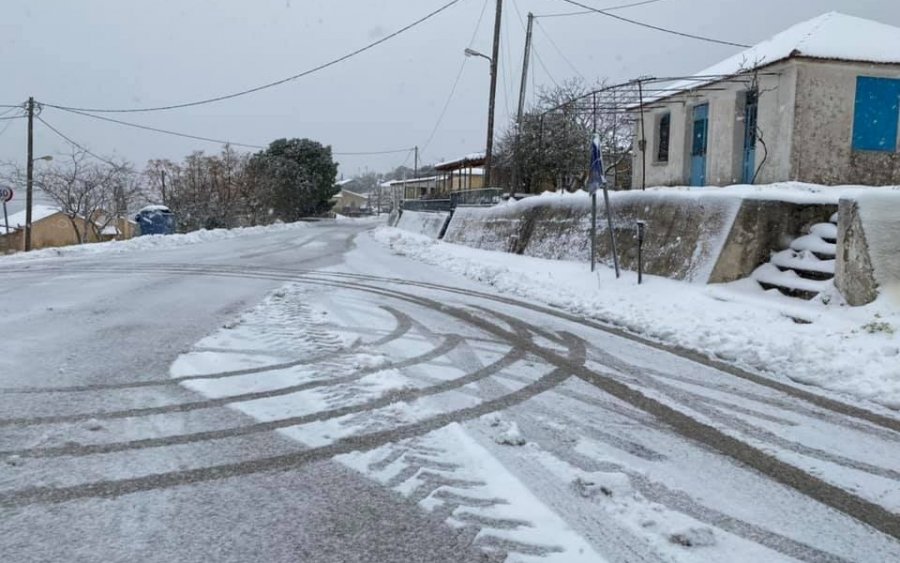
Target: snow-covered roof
[
  {"x": 413, "y": 180},
  {"x": 475, "y": 158},
  {"x": 340, "y": 183},
  {"x": 38, "y": 212},
  {"x": 153, "y": 208},
  {"x": 354, "y": 194},
  {"x": 831, "y": 36}
]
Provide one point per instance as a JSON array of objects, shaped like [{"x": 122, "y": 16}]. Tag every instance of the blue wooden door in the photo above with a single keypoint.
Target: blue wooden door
[
  {"x": 699, "y": 145},
  {"x": 750, "y": 120}
]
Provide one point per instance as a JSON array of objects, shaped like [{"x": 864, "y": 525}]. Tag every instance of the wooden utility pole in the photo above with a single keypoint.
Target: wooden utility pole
[
  {"x": 521, "y": 110},
  {"x": 416, "y": 172},
  {"x": 29, "y": 175},
  {"x": 495, "y": 54}
]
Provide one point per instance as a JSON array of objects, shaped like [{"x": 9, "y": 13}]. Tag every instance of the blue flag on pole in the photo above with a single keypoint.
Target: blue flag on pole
[{"x": 598, "y": 178}]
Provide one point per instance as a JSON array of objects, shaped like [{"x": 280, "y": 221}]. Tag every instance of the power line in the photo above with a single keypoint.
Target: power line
[
  {"x": 74, "y": 143},
  {"x": 610, "y": 9},
  {"x": 213, "y": 140},
  {"x": 655, "y": 27},
  {"x": 453, "y": 88},
  {"x": 372, "y": 153},
  {"x": 277, "y": 82},
  {"x": 558, "y": 50},
  {"x": 161, "y": 131}
]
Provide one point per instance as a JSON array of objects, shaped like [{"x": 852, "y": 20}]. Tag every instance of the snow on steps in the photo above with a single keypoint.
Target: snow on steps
[{"x": 807, "y": 268}]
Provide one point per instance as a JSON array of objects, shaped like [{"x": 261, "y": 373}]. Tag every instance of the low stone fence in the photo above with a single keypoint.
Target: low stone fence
[
  {"x": 704, "y": 236},
  {"x": 430, "y": 224}
]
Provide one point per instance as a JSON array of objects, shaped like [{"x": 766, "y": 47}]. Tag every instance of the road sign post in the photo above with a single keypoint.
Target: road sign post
[{"x": 6, "y": 195}]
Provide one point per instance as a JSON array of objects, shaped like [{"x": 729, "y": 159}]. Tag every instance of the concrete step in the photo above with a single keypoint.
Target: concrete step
[
  {"x": 789, "y": 282},
  {"x": 822, "y": 249},
  {"x": 806, "y": 264},
  {"x": 826, "y": 231},
  {"x": 804, "y": 294},
  {"x": 808, "y": 274}
]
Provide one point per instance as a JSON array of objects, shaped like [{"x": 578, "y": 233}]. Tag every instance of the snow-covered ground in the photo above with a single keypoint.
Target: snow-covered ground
[
  {"x": 849, "y": 350},
  {"x": 151, "y": 242}
]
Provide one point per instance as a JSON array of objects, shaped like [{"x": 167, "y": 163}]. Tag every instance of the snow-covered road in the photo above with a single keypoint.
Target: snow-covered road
[{"x": 306, "y": 395}]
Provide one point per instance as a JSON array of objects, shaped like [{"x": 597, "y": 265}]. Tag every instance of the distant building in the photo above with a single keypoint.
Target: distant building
[
  {"x": 50, "y": 227},
  {"x": 462, "y": 174},
  {"x": 416, "y": 188},
  {"x": 816, "y": 103},
  {"x": 350, "y": 203}
]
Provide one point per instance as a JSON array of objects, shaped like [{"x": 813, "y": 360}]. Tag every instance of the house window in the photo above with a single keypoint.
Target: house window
[
  {"x": 662, "y": 138},
  {"x": 876, "y": 115}
]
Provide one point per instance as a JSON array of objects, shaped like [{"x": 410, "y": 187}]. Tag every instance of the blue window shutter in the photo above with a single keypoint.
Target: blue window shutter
[{"x": 876, "y": 114}]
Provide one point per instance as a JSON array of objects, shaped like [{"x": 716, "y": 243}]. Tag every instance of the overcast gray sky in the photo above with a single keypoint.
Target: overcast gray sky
[{"x": 127, "y": 53}]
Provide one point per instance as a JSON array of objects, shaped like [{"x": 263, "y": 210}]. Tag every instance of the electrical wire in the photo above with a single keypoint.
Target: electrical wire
[
  {"x": 655, "y": 27},
  {"x": 75, "y": 144},
  {"x": 372, "y": 153},
  {"x": 558, "y": 50},
  {"x": 453, "y": 88},
  {"x": 303, "y": 74},
  {"x": 213, "y": 140},
  {"x": 161, "y": 131},
  {"x": 610, "y": 9}
]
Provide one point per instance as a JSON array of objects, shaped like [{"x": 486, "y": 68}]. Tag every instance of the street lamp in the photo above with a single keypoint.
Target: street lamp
[
  {"x": 474, "y": 53},
  {"x": 29, "y": 197},
  {"x": 489, "y": 148}
]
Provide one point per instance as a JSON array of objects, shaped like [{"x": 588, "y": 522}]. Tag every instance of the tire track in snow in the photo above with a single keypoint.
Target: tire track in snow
[
  {"x": 450, "y": 342},
  {"x": 782, "y": 472},
  {"x": 402, "y": 327},
  {"x": 506, "y": 361}
]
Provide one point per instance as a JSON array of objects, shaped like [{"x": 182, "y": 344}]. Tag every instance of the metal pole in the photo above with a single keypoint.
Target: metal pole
[
  {"x": 6, "y": 218},
  {"x": 641, "y": 229},
  {"x": 29, "y": 175},
  {"x": 521, "y": 110},
  {"x": 643, "y": 145},
  {"x": 594, "y": 231},
  {"x": 612, "y": 234},
  {"x": 489, "y": 150}
]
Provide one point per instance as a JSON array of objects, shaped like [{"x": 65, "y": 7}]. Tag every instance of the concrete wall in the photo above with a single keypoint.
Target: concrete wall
[
  {"x": 683, "y": 239},
  {"x": 823, "y": 125},
  {"x": 706, "y": 237},
  {"x": 868, "y": 259},
  {"x": 777, "y": 85},
  {"x": 430, "y": 223}
]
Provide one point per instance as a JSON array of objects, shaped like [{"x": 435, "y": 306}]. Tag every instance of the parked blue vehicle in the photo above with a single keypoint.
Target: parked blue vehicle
[{"x": 155, "y": 220}]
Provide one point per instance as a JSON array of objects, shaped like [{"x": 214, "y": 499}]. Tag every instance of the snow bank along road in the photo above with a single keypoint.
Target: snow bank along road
[{"x": 304, "y": 395}]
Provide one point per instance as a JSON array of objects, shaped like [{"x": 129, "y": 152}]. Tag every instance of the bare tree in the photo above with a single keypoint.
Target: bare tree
[{"x": 93, "y": 195}]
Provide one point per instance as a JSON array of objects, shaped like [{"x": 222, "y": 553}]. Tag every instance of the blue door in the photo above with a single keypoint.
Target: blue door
[
  {"x": 699, "y": 145},
  {"x": 750, "y": 117}
]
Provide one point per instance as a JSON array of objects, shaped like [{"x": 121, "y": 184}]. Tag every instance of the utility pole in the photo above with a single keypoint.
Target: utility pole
[
  {"x": 416, "y": 172},
  {"x": 29, "y": 175},
  {"x": 162, "y": 177},
  {"x": 521, "y": 111},
  {"x": 495, "y": 54}
]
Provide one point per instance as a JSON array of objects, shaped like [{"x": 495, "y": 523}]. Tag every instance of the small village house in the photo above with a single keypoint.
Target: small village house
[
  {"x": 816, "y": 103},
  {"x": 50, "y": 227},
  {"x": 347, "y": 202}
]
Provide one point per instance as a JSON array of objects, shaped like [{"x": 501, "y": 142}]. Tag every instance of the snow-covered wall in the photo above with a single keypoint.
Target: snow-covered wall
[
  {"x": 430, "y": 224},
  {"x": 707, "y": 235},
  {"x": 868, "y": 261},
  {"x": 684, "y": 235}
]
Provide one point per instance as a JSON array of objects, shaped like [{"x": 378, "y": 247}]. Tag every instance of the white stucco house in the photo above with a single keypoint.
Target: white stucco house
[{"x": 819, "y": 103}]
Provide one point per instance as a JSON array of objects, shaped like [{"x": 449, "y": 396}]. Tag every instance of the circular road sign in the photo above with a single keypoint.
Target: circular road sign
[{"x": 6, "y": 194}]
